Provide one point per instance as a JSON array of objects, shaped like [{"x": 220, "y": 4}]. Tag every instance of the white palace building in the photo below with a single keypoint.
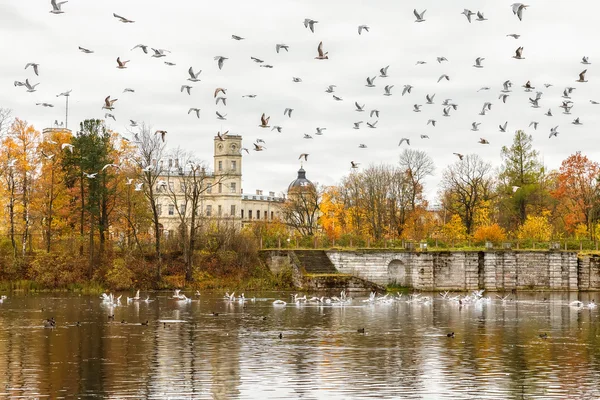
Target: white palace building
[{"x": 224, "y": 199}]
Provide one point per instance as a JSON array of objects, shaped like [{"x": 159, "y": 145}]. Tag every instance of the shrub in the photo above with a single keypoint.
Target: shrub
[
  {"x": 489, "y": 233},
  {"x": 119, "y": 277},
  {"x": 535, "y": 228}
]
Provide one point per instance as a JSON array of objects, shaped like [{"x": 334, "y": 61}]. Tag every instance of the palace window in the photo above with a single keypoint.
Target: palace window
[
  {"x": 182, "y": 208},
  {"x": 249, "y": 214},
  {"x": 257, "y": 214},
  {"x": 220, "y": 188},
  {"x": 220, "y": 165},
  {"x": 209, "y": 189},
  {"x": 232, "y": 212},
  {"x": 233, "y": 165},
  {"x": 232, "y": 187},
  {"x": 242, "y": 215},
  {"x": 171, "y": 209},
  {"x": 266, "y": 215},
  {"x": 159, "y": 209},
  {"x": 208, "y": 210},
  {"x": 219, "y": 210},
  {"x": 271, "y": 215}
]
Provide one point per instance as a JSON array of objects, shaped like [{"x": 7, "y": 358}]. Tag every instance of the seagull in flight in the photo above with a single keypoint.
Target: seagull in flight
[
  {"x": 362, "y": 28},
  {"x": 158, "y": 53},
  {"x": 357, "y": 124},
  {"x": 577, "y": 122},
  {"x": 121, "y": 64},
  {"x": 514, "y": 35},
  {"x": 553, "y": 132},
  {"x": 305, "y": 155},
  {"x": 29, "y": 86},
  {"x": 354, "y": 164},
  {"x": 109, "y": 115},
  {"x": 84, "y": 50},
  {"x": 193, "y": 76},
  {"x": 310, "y": 23},
  {"x": 584, "y": 60},
  {"x": 407, "y": 140},
  {"x": 503, "y": 97},
  {"x": 419, "y": 16},
  {"x": 187, "y": 88},
  {"x": 288, "y": 111},
  {"x": 483, "y": 141},
  {"x": 535, "y": 125},
  {"x": 141, "y": 46},
  {"x": 480, "y": 16},
  {"x": 359, "y": 107},
  {"x": 56, "y": 7},
  {"x": 517, "y": 9},
  {"x": 370, "y": 81},
  {"x": 196, "y": 110},
  {"x": 221, "y": 116},
  {"x": 236, "y": 37},
  {"x": 383, "y": 72},
  {"x": 417, "y": 107},
  {"x": 407, "y": 89},
  {"x": 372, "y": 125},
  {"x": 374, "y": 112},
  {"x": 467, "y": 13},
  {"x": 388, "y": 90},
  {"x": 549, "y": 112},
  {"x": 440, "y": 59},
  {"x": 320, "y": 131},
  {"x": 35, "y": 67},
  {"x": 429, "y": 98},
  {"x": 220, "y": 61},
  {"x": 282, "y": 46},
  {"x": 66, "y": 94},
  {"x": 582, "y": 76},
  {"x": 321, "y": 55},
  {"x": 475, "y": 126},
  {"x": 432, "y": 122},
  {"x": 123, "y": 19},
  {"x": 503, "y": 127},
  {"x": 519, "y": 53},
  {"x": 277, "y": 128},
  {"x": 460, "y": 156},
  {"x": 330, "y": 89},
  {"x": 478, "y": 61},
  {"x": 442, "y": 77},
  {"x": 264, "y": 121}
]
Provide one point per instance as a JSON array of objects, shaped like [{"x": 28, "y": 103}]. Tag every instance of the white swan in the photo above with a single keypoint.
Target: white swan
[
  {"x": 576, "y": 303},
  {"x": 279, "y": 303}
]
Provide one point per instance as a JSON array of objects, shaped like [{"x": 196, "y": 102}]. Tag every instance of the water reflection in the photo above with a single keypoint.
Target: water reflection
[{"x": 187, "y": 352}]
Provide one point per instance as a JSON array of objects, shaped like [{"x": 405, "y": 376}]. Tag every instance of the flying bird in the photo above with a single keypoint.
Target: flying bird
[
  {"x": 407, "y": 89},
  {"x": 362, "y": 28},
  {"x": 257, "y": 60},
  {"x": 330, "y": 89},
  {"x": 475, "y": 126},
  {"x": 517, "y": 9},
  {"x": 35, "y": 67},
  {"x": 440, "y": 59},
  {"x": 162, "y": 134},
  {"x": 236, "y": 37},
  {"x": 535, "y": 125},
  {"x": 321, "y": 56},
  {"x": 123, "y": 19},
  {"x": 310, "y": 23},
  {"x": 442, "y": 77},
  {"x": 288, "y": 111},
  {"x": 514, "y": 35},
  {"x": 383, "y": 72},
  {"x": 296, "y": 79},
  {"x": 354, "y": 164},
  {"x": 577, "y": 122},
  {"x": 121, "y": 64},
  {"x": 336, "y": 98},
  {"x": 478, "y": 61},
  {"x": 424, "y": 137},
  {"x": 582, "y": 76},
  {"x": 90, "y": 176},
  {"x": 374, "y": 112},
  {"x": 67, "y": 146},
  {"x": 222, "y": 100},
  {"x": 128, "y": 90},
  {"x": 277, "y": 128},
  {"x": 264, "y": 122},
  {"x": 388, "y": 90},
  {"x": 417, "y": 107},
  {"x": 480, "y": 16},
  {"x": 584, "y": 60},
  {"x": 429, "y": 98},
  {"x": 359, "y": 107},
  {"x": 141, "y": 46},
  {"x": 196, "y": 110},
  {"x": 372, "y": 125},
  {"x": 221, "y": 116},
  {"x": 553, "y": 132},
  {"x": 108, "y": 103},
  {"x": 109, "y": 115},
  {"x": 305, "y": 155},
  {"x": 407, "y": 140},
  {"x": 503, "y": 97},
  {"x": 84, "y": 50},
  {"x": 258, "y": 147},
  {"x": 460, "y": 156},
  {"x": 220, "y": 60},
  {"x": 193, "y": 76},
  {"x": 419, "y": 16},
  {"x": 503, "y": 127},
  {"x": 307, "y": 136},
  {"x": 370, "y": 81},
  {"x": 44, "y": 104},
  {"x": 483, "y": 141},
  {"x": 282, "y": 46},
  {"x": 158, "y": 53},
  {"x": 519, "y": 54},
  {"x": 362, "y": 146},
  {"x": 357, "y": 124},
  {"x": 549, "y": 112},
  {"x": 468, "y": 13},
  {"x": 56, "y": 7},
  {"x": 219, "y": 90},
  {"x": 320, "y": 131},
  {"x": 186, "y": 88},
  {"x": 66, "y": 94},
  {"x": 432, "y": 122},
  {"x": 29, "y": 86}
]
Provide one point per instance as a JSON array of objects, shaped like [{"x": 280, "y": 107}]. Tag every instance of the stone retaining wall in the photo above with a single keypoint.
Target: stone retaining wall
[{"x": 464, "y": 270}]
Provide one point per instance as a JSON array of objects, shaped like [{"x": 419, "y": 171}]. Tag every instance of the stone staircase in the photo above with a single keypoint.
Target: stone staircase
[{"x": 315, "y": 262}]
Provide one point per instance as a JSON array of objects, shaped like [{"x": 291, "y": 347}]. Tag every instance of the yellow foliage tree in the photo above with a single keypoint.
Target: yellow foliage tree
[
  {"x": 581, "y": 232},
  {"x": 536, "y": 228},
  {"x": 489, "y": 233},
  {"x": 454, "y": 229}
]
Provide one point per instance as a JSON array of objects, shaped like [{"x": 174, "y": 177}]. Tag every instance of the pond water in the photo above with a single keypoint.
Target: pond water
[{"x": 187, "y": 352}]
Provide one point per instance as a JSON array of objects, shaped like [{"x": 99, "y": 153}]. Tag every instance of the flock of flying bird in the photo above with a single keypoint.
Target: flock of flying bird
[{"x": 220, "y": 93}]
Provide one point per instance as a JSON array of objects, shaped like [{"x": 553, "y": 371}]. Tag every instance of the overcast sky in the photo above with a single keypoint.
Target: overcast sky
[{"x": 555, "y": 36}]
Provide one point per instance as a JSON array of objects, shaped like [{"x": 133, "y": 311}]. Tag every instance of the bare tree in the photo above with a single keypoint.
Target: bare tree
[
  {"x": 149, "y": 156},
  {"x": 301, "y": 208},
  {"x": 418, "y": 166},
  {"x": 5, "y": 120},
  {"x": 186, "y": 187},
  {"x": 465, "y": 185}
]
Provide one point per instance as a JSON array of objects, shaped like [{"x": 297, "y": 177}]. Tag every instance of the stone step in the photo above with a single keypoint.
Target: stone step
[{"x": 315, "y": 262}]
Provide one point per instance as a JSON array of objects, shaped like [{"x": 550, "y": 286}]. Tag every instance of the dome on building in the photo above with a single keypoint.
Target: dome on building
[{"x": 300, "y": 181}]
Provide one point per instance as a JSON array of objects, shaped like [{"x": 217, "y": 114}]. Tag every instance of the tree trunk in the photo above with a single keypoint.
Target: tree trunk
[
  {"x": 82, "y": 217},
  {"x": 91, "y": 251}
]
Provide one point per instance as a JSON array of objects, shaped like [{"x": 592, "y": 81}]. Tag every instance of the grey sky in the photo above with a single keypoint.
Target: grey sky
[{"x": 553, "y": 37}]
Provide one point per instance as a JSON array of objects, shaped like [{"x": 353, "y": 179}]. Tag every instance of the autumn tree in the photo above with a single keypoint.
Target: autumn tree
[
  {"x": 186, "y": 185},
  {"x": 519, "y": 178},
  {"x": 418, "y": 165},
  {"x": 536, "y": 228},
  {"x": 578, "y": 190},
  {"x": 301, "y": 208},
  {"x": 5, "y": 120},
  {"x": 466, "y": 184},
  {"x": 150, "y": 152}
]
